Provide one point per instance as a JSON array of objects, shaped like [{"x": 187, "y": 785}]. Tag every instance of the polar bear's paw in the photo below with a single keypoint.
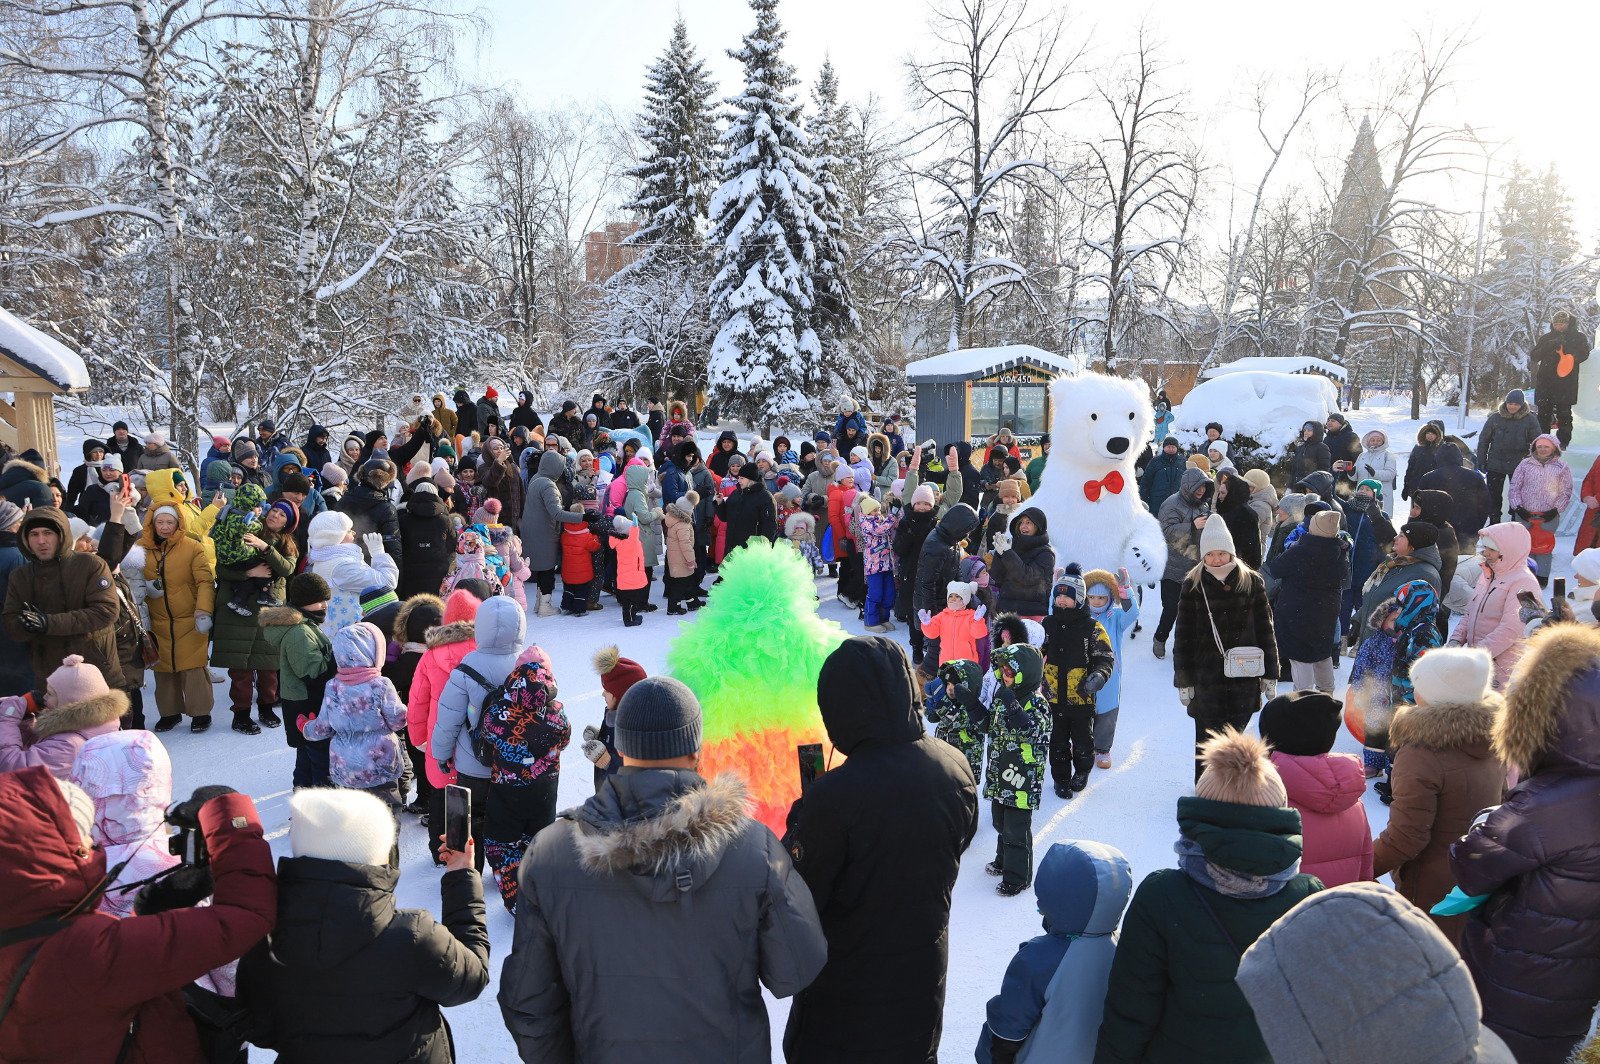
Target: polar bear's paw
[{"x": 1142, "y": 567}]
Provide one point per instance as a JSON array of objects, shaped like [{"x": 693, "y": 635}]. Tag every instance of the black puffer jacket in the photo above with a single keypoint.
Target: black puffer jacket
[
  {"x": 1534, "y": 946},
  {"x": 940, "y": 560},
  {"x": 908, "y": 540},
  {"x": 1469, "y": 495},
  {"x": 749, "y": 514},
  {"x": 1507, "y": 438},
  {"x": 1424, "y": 457},
  {"x": 1434, "y": 508},
  {"x": 1025, "y": 572},
  {"x": 429, "y": 545},
  {"x": 880, "y": 868},
  {"x": 1343, "y": 443},
  {"x": 1311, "y": 577},
  {"x": 1234, "y": 509},
  {"x": 348, "y": 978},
  {"x": 1310, "y": 455},
  {"x": 370, "y": 510},
  {"x": 1552, "y": 387}
]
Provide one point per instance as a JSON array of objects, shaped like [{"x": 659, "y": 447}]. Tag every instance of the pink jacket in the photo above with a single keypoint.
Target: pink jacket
[
  {"x": 129, "y": 776},
  {"x": 1327, "y": 791},
  {"x": 958, "y": 632},
  {"x": 53, "y": 737},
  {"x": 1491, "y": 618},
  {"x": 447, "y": 645},
  {"x": 1540, "y": 486}
]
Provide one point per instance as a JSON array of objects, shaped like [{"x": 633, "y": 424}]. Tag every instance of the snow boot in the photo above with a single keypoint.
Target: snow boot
[
  {"x": 1079, "y": 781},
  {"x": 1062, "y": 791},
  {"x": 994, "y": 869},
  {"x": 1102, "y": 760},
  {"x": 269, "y": 718},
  {"x": 546, "y": 608},
  {"x": 1009, "y": 890},
  {"x": 166, "y": 724},
  {"x": 630, "y": 617},
  {"x": 199, "y": 724},
  {"x": 677, "y": 609},
  {"x": 695, "y": 603},
  {"x": 241, "y": 723},
  {"x": 648, "y": 607}
]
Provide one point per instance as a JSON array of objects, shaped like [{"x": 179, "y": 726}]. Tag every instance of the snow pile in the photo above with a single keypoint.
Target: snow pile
[
  {"x": 1277, "y": 364},
  {"x": 982, "y": 361},
  {"x": 1267, "y": 407},
  {"x": 41, "y": 352}
]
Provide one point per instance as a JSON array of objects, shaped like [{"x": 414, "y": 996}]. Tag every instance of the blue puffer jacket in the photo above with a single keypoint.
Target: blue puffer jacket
[
  {"x": 1118, "y": 620},
  {"x": 499, "y": 629}
]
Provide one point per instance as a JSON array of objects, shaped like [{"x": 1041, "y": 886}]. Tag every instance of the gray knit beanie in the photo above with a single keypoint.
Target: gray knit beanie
[{"x": 657, "y": 720}]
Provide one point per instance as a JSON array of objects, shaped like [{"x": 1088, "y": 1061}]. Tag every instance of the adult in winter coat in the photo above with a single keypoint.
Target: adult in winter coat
[
  {"x": 1222, "y": 592},
  {"x": 880, "y": 869},
  {"x": 316, "y": 449},
  {"x": 16, "y": 675},
  {"x": 240, "y": 645},
  {"x": 1024, "y": 568},
  {"x": 156, "y": 454},
  {"x": 1444, "y": 773},
  {"x": 1323, "y": 787},
  {"x": 525, "y": 416},
  {"x": 500, "y": 478},
  {"x": 937, "y": 565},
  {"x": 1556, "y": 360},
  {"x": 1534, "y": 946},
  {"x": 369, "y": 508},
  {"x": 347, "y": 976},
  {"x": 1311, "y": 454},
  {"x": 1163, "y": 477},
  {"x": 1356, "y": 974},
  {"x": 1233, "y": 506},
  {"x": 1311, "y": 576},
  {"x": 1374, "y": 463},
  {"x": 428, "y": 541},
  {"x": 128, "y": 974},
  {"x": 94, "y": 452},
  {"x": 25, "y": 484},
  {"x": 543, "y": 514},
  {"x": 1469, "y": 497},
  {"x": 1506, "y": 439},
  {"x": 916, "y": 521},
  {"x": 1343, "y": 443},
  {"x": 1180, "y": 520},
  {"x": 1424, "y": 456},
  {"x": 499, "y": 628},
  {"x": 181, "y": 599},
  {"x": 748, "y": 512},
  {"x": 77, "y": 707},
  {"x": 63, "y": 602},
  {"x": 660, "y": 856},
  {"x": 1414, "y": 555},
  {"x": 1433, "y": 508},
  {"x": 488, "y": 409},
  {"x": 1264, "y": 504},
  {"x": 1171, "y": 996},
  {"x": 722, "y": 452},
  {"x": 1491, "y": 619}
]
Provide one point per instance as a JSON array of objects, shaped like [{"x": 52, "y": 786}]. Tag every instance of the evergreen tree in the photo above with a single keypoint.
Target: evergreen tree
[
  {"x": 766, "y": 358},
  {"x": 828, "y": 127}
]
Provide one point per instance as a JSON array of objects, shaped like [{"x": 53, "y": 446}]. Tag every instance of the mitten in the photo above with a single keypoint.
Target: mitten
[
  {"x": 202, "y": 623},
  {"x": 980, "y": 611},
  {"x": 1091, "y": 684},
  {"x": 594, "y": 749},
  {"x": 963, "y": 696},
  {"x": 924, "y": 617},
  {"x": 374, "y": 544},
  {"x": 1185, "y": 695},
  {"x": 591, "y": 732},
  {"x": 1002, "y": 542}
]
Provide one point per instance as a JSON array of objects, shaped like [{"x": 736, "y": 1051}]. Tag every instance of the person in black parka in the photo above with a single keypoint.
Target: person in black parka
[
  {"x": 1507, "y": 438},
  {"x": 1311, "y": 575},
  {"x": 428, "y": 541},
  {"x": 971, "y": 479},
  {"x": 916, "y": 521},
  {"x": 1343, "y": 443},
  {"x": 1469, "y": 495},
  {"x": 1311, "y": 454},
  {"x": 1557, "y": 359},
  {"x": 1434, "y": 508},
  {"x": 1424, "y": 457},
  {"x": 880, "y": 868},
  {"x": 937, "y": 565},
  {"x": 347, "y": 977},
  {"x": 366, "y": 503},
  {"x": 748, "y": 512},
  {"x": 1025, "y": 571},
  {"x": 1233, "y": 504}
]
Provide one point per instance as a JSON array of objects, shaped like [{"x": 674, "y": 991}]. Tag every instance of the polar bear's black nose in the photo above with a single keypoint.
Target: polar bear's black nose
[{"x": 1117, "y": 444}]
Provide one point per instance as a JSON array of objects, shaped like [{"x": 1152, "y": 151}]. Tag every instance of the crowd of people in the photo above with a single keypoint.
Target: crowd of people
[{"x": 379, "y": 604}]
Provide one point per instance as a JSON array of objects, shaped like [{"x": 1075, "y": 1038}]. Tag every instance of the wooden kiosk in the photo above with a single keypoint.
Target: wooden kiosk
[
  {"x": 35, "y": 367},
  {"x": 974, "y": 393}
]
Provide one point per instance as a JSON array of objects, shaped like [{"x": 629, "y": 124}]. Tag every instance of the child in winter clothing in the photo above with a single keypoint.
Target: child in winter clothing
[
  {"x": 874, "y": 534},
  {"x": 617, "y": 674},
  {"x": 360, "y": 712},
  {"x": 338, "y": 559},
  {"x": 683, "y": 569},
  {"x": 1541, "y": 490},
  {"x": 1325, "y": 787},
  {"x": 1111, "y": 603},
  {"x": 305, "y": 665},
  {"x": 973, "y": 570},
  {"x": 800, "y": 529},
  {"x": 1416, "y": 633},
  {"x": 1054, "y": 990},
  {"x": 505, "y": 545},
  {"x": 633, "y": 585},
  {"x": 579, "y": 545},
  {"x": 472, "y": 561},
  {"x": 1078, "y": 661},
  {"x": 417, "y": 616},
  {"x": 129, "y": 776},
  {"x": 1019, "y": 742},
  {"x": 239, "y": 519},
  {"x": 1368, "y": 695},
  {"x": 958, "y": 626},
  {"x": 78, "y": 705},
  {"x": 953, "y": 705}
]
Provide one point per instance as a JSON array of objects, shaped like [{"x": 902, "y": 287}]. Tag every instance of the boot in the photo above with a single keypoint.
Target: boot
[
  {"x": 269, "y": 717},
  {"x": 546, "y": 607},
  {"x": 677, "y": 609},
  {"x": 241, "y": 723},
  {"x": 648, "y": 607},
  {"x": 630, "y": 617}
]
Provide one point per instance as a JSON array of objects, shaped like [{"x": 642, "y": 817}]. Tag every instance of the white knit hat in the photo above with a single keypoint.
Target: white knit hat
[
  {"x": 1453, "y": 676},
  {"x": 843, "y": 473},
  {"x": 328, "y": 528},
  {"x": 1219, "y": 446},
  {"x": 1215, "y": 536},
  {"x": 1586, "y": 563},
  {"x": 962, "y": 590},
  {"x": 337, "y": 824}
]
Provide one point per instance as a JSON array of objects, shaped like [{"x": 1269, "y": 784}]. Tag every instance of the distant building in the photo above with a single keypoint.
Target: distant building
[{"x": 604, "y": 253}]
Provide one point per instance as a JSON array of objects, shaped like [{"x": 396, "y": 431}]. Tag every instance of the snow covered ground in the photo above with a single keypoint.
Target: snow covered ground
[{"x": 1131, "y": 806}]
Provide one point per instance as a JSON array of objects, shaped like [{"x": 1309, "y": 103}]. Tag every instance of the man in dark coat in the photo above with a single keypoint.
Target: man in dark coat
[
  {"x": 1162, "y": 477},
  {"x": 488, "y": 411},
  {"x": 597, "y": 407},
  {"x": 466, "y": 414},
  {"x": 1433, "y": 507},
  {"x": 367, "y": 505},
  {"x": 1343, "y": 443},
  {"x": 1507, "y": 438},
  {"x": 124, "y": 445},
  {"x": 428, "y": 541},
  {"x": 1556, "y": 360},
  {"x": 748, "y": 512},
  {"x": 1424, "y": 456},
  {"x": 63, "y": 602},
  {"x": 623, "y": 417},
  {"x": 525, "y": 416},
  {"x": 880, "y": 868},
  {"x": 16, "y": 674},
  {"x": 971, "y": 479},
  {"x": 567, "y": 424},
  {"x": 1469, "y": 495}
]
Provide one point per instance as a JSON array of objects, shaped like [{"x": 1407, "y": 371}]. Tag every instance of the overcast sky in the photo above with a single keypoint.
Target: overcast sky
[{"x": 1529, "y": 78}]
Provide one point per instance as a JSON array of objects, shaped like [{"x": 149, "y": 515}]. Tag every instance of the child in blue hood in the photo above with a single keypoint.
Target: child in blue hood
[
  {"x": 1054, "y": 990},
  {"x": 1111, "y": 602}
]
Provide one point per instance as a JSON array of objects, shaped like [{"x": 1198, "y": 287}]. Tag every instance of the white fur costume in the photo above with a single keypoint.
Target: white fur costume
[{"x": 1089, "y": 492}]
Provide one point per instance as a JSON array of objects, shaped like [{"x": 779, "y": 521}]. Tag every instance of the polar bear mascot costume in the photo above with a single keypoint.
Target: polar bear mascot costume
[{"x": 1089, "y": 492}]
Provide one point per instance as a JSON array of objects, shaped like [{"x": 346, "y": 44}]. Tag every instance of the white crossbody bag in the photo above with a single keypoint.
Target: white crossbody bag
[{"x": 1239, "y": 663}]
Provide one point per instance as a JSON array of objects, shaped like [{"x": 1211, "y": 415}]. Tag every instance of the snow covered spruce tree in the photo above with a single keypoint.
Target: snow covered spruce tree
[
  {"x": 651, "y": 322},
  {"x": 827, "y": 126},
  {"x": 766, "y": 358}
]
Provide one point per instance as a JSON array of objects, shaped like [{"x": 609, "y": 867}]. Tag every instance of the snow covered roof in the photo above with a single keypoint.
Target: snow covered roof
[
  {"x": 982, "y": 361},
  {"x": 1277, "y": 364},
  {"x": 41, "y": 353}
]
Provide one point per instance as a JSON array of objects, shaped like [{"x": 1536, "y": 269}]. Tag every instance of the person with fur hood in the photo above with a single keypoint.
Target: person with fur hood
[
  {"x": 1024, "y": 566},
  {"x": 1171, "y": 998},
  {"x": 446, "y": 646},
  {"x": 1444, "y": 773},
  {"x": 658, "y": 855},
  {"x": 1264, "y": 504},
  {"x": 1323, "y": 787},
  {"x": 1533, "y": 946},
  {"x": 27, "y": 484},
  {"x": 78, "y": 706},
  {"x": 1492, "y": 618},
  {"x": 1374, "y": 463}
]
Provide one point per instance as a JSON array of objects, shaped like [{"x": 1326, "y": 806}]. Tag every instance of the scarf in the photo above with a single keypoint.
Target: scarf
[
  {"x": 1222, "y": 572},
  {"x": 352, "y": 675},
  {"x": 1226, "y": 881}
]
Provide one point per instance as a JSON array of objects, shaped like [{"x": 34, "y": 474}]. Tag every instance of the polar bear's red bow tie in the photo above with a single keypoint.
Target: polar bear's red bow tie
[{"x": 1112, "y": 483}]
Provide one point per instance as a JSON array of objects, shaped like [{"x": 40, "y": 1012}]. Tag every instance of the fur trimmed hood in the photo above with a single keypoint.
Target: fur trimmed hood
[
  {"x": 279, "y": 616},
  {"x": 80, "y": 716},
  {"x": 1443, "y": 726},
  {"x": 407, "y": 608},
  {"x": 455, "y": 632},
  {"x": 1552, "y": 712},
  {"x": 687, "y": 836}
]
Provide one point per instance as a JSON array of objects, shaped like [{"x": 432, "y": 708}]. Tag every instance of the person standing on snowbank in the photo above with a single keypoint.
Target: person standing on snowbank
[
  {"x": 1556, "y": 360},
  {"x": 663, "y": 856},
  {"x": 881, "y": 881}
]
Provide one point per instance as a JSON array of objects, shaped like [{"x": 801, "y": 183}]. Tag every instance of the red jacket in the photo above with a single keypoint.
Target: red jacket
[
  {"x": 841, "y": 496},
  {"x": 447, "y": 645},
  {"x": 578, "y": 545},
  {"x": 100, "y": 974},
  {"x": 630, "y": 561},
  {"x": 1327, "y": 793},
  {"x": 1589, "y": 530}
]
